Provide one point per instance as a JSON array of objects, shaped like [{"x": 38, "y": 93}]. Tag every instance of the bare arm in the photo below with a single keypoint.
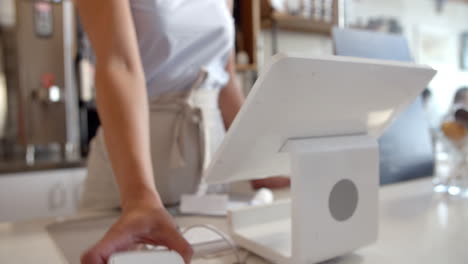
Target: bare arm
[
  {"x": 231, "y": 96},
  {"x": 123, "y": 108},
  {"x": 121, "y": 95}
]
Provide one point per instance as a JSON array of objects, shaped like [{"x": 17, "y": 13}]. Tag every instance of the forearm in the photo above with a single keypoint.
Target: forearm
[
  {"x": 230, "y": 107},
  {"x": 123, "y": 109}
]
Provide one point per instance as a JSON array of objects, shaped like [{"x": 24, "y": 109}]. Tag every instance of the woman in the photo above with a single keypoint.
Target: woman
[{"x": 162, "y": 69}]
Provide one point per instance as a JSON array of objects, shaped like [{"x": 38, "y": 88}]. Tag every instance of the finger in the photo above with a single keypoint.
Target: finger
[
  {"x": 114, "y": 241},
  {"x": 91, "y": 257},
  {"x": 280, "y": 182},
  {"x": 176, "y": 242}
]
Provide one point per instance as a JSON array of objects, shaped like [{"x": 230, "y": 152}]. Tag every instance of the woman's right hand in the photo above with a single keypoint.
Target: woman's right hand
[{"x": 139, "y": 225}]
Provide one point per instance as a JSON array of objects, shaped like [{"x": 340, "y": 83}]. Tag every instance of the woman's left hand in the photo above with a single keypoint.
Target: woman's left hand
[{"x": 272, "y": 183}]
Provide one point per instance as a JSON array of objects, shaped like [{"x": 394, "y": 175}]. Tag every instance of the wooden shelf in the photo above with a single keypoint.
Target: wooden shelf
[
  {"x": 282, "y": 20},
  {"x": 249, "y": 30},
  {"x": 302, "y": 24}
]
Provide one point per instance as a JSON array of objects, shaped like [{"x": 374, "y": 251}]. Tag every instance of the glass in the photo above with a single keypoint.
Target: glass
[{"x": 452, "y": 157}]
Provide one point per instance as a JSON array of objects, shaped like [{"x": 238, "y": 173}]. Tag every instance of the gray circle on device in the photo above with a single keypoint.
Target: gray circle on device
[{"x": 343, "y": 200}]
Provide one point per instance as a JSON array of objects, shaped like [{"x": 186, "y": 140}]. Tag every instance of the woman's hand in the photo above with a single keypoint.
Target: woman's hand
[
  {"x": 139, "y": 225},
  {"x": 272, "y": 183}
]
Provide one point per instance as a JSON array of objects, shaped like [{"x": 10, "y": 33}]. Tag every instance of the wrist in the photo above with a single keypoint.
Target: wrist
[{"x": 143, "y": 198}]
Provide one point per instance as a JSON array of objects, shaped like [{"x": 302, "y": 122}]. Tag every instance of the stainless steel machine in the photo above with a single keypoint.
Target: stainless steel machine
[{"x": 43, "y": 113}]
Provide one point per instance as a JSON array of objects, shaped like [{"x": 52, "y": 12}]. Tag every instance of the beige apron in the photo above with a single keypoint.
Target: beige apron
[{"x": 186, "y": 128}]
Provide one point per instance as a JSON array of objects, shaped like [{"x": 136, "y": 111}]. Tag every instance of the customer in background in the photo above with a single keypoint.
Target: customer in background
[
  {"x": 461, "y": 97},
  {"x": 166, "y": 92}
]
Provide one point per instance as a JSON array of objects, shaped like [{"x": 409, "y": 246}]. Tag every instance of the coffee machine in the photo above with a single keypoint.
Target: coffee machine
[{"x": 39, "y": 48}]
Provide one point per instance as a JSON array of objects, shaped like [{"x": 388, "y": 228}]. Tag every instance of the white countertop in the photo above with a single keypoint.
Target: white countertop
[{"x": 416, "y": 226}]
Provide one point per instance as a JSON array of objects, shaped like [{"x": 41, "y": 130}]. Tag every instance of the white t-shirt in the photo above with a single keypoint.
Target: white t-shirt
[{"x": 179, "y": 38}]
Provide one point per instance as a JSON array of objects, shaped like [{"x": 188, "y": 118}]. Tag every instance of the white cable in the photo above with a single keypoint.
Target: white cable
[{"x": 225, "y": 237}]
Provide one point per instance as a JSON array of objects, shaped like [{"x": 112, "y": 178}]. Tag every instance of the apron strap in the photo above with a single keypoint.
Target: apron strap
[{"x": 185, "y": 111}]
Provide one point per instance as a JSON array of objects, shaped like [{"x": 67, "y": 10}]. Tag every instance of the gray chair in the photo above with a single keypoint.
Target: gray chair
[{"x": 406, "y": 150}]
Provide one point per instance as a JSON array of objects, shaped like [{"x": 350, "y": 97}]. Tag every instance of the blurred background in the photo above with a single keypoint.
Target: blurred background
[{"x": 47, "y": 106}]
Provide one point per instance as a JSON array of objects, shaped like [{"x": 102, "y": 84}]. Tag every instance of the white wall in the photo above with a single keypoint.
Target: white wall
[{"x": 416, "y": 16}]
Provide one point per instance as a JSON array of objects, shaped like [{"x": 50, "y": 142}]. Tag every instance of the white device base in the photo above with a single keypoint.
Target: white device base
[
  {"x": 333, "y": 210},
  {"x": 264, "y": 230},
  {"x": 146, "y": 257}
]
